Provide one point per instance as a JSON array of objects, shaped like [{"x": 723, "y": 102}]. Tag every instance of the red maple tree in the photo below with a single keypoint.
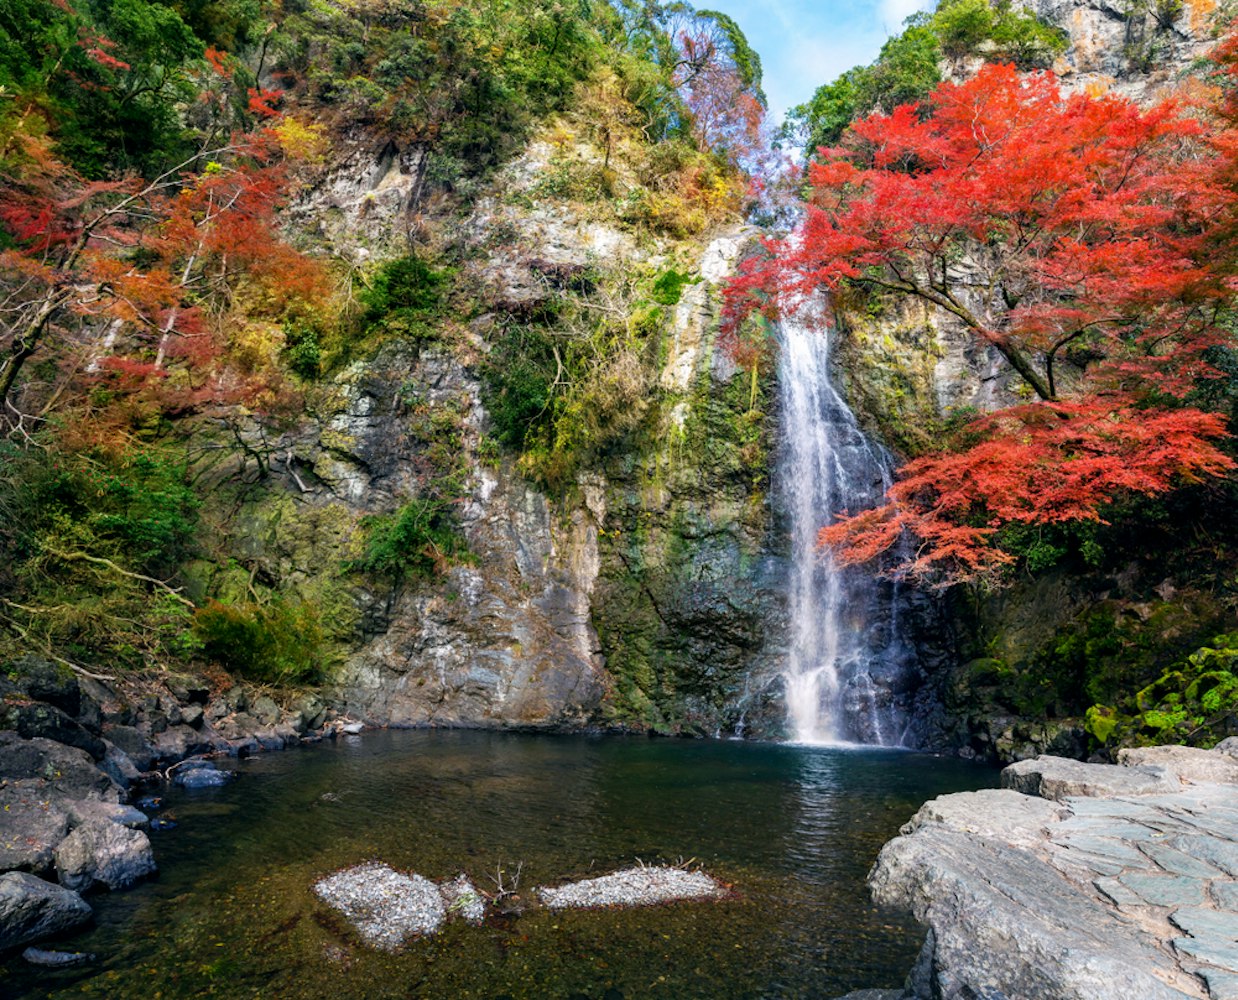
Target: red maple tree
[{"x": 1077, "y": 235}]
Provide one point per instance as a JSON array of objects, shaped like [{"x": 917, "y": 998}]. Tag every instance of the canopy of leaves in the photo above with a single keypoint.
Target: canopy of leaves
[{"x": 1077, "y": 236}]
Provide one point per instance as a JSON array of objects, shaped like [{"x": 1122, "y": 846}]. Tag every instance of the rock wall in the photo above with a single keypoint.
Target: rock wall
[{"x": 641, "y": 596}]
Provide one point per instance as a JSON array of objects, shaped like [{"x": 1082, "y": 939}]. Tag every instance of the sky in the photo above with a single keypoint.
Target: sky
[{"x": 805, "y": 43}]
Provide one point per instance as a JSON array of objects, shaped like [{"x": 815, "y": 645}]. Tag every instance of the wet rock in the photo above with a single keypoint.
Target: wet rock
[
  {"x": 36, "y": 720},
  {"x": 31, "y": 827},
  {"x": 1058, "y": 777},
  {"x": 203, "y": 777},
  {"x": 387, "y": 908},
  {"x": 57, "y": 959},
  {"x": 31, "y": 909},
  {"x": 180, "y": 741},
  {"x": 119, "y": 766},
  {"x": 641, "y": 886},
  {"x": 133, "y": 743},
  {"x": 67, "y": 771},
  {"x": 86, "y": 811},
  {"x": 105, "y": 853}
]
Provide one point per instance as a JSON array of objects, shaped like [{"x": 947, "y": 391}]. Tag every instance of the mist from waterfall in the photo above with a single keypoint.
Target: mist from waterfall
[{"x": 847, "y": 648}]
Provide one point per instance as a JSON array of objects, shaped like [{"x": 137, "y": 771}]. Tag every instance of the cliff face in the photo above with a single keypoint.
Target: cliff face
[{"x": 644, "y": 591}]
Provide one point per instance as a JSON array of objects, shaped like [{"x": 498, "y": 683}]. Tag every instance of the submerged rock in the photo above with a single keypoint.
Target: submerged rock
[
  {"x": 56, "y": 959},
  {"x": 642, "y": 886},
  {"x": 386, "y": 907},
  {"x": 31, "y": 909},
  {"x": 107, "y": 853},
  {"x": 201, "y": 774}
]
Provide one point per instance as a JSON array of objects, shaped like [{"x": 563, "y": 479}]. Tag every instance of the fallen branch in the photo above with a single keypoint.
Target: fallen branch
[{"x": 99, "y": 560}]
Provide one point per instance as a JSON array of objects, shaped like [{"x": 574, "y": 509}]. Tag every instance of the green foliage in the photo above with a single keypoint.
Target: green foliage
[
  {"x": 1194, "y": 701},
  {"x": 135, "y": 507},
  {"x": 565, "y": 390},
  {"x": 420, "y": 540},
  {"x": 76, "y": 530},
  {"x": 281, "y": 642},
  {"x": 668, "y": 286},
  {"x": 404, "y": 298},
  {"x": 303, "y": 349},
  {"x": 109, "y": 77},
  {"x": 907, "y": 69}
]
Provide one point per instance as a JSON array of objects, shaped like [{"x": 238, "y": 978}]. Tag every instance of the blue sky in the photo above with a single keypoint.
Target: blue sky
[{"x": 804, "y": 44}]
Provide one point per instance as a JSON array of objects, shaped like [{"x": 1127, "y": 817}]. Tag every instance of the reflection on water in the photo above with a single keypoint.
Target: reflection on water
[{"x": 795, "y": 829}]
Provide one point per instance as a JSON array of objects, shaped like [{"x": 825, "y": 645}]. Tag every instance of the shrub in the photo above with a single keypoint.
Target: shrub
[
  {"x": 280, "y": 643},
  {"x": 420, "y": 539}
]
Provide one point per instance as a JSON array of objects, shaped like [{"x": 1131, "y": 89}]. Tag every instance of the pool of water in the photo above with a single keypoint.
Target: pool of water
[{"x": 793, "y": 829}]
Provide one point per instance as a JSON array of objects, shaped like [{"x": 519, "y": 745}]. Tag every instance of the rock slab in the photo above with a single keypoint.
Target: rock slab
[
  {"x": 642, "y": 886},
  {"x": 1115, "y": 882}
]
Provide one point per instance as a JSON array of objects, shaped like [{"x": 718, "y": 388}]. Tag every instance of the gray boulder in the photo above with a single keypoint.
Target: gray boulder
[
  {"x": 31, "y": 825},
  {"x": 1058, "y": 778},
  {"x": 31, "y": 909},
  {"x": 68, "y": 771},
  {"x": 1003, "y": 923},
  {"x": 105, "y": 853},
  {"x": 1187, "y": 763}
]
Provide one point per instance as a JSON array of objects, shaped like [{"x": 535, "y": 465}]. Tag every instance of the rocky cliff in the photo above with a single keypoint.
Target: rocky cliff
[{"x": 642, "y": 590}]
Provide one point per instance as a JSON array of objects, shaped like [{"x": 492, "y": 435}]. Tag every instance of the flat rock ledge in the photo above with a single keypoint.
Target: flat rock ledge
[
  {"x": 1076, "y": 881},
  {"x": 641, "y": 886}
]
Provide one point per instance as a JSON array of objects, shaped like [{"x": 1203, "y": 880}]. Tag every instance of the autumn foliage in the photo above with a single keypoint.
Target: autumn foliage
[{"x": 1083, "y": 239}]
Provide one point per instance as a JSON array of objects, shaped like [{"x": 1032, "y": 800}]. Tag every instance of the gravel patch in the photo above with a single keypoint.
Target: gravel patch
[
  {"x": 463, "y": 900},
  {"x": 386, "y": 907},
  {"x": 642, "y": 886}
]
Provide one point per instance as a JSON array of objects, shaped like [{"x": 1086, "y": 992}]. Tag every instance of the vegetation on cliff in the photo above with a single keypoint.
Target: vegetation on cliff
[{"x": 163, "y": 314}]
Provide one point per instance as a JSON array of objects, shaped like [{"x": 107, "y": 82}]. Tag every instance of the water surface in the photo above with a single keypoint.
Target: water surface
[{"x": 794, "y": 829}]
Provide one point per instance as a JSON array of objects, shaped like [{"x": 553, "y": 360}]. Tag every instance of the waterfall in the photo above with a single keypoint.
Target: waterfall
[{"x": 847, "y": 649}]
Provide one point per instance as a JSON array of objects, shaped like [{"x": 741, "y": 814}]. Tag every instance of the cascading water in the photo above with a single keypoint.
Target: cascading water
[{"x": 847, "y": 651}]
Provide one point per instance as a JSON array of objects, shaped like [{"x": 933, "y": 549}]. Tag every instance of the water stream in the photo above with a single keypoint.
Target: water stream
[{"x": 847, "y": 644}]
